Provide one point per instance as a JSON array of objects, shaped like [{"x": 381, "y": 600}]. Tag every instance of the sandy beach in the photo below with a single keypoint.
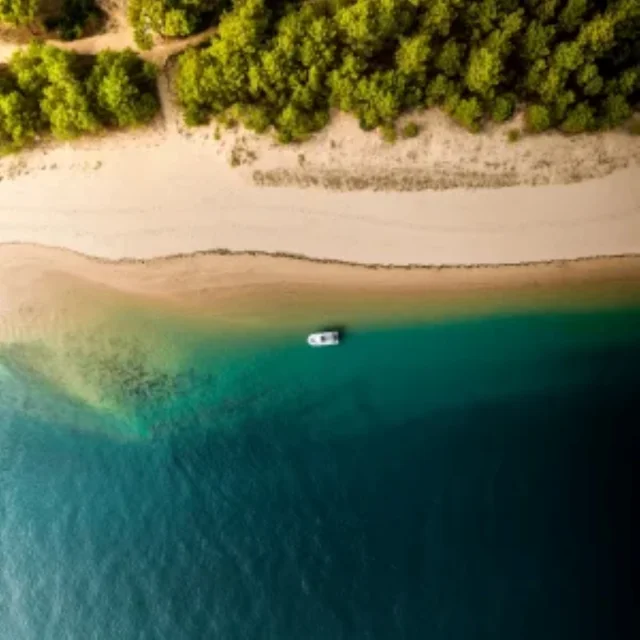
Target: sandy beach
[
  {"x": 45, "y": 289},
  {"x": 167, "y": 192}
]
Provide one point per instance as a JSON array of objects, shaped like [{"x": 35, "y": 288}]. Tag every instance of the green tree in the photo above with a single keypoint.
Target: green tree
[
  {"x": 413, "y": 55},
  {"x": 561, "y": 104},
  {"x": 571, "y": 17},
  {"x": 503, "y": 107},
  {"x": 122, "y": 88},
  {"x": 295, "y": 124},
  {"x": 255, "y": 117},
  {"x": 580, "y": 118},
  {"x": 47, "y": 75},
  {"x": 568, "y": 56},
  {"x": 167, "y": 17},
  {"x": 614, "y": 111},
  {"x": 537, "y": 40},
  {"x": 38, "y": 66},
  {"x": 450, "y": 58},
  {"x": 18, "y": 12},
  {"x": 538, "y": 118},
  {"x": 597, "y": 36},
  {"x": 65, "y": 107},
  {"x": 19, "y": 121},
  {"x": 368, "y": 26},
  {"x": 589, "y": 78},
  {"x": 178, "y": 22},
  {"x": 468, "y": 112},
  {"x": 544, "y": 10},
  {"x": 379, "y": 99},
  {"x": 440, "y": 16},
  {"x": 482, "y": 17},
  {"x": 440, "y": 89},
  {"x": 484, "y": 72}
]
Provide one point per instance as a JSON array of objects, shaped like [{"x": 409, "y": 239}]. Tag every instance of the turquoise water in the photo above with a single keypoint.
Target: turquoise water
[{"x": 468, "y": 479}]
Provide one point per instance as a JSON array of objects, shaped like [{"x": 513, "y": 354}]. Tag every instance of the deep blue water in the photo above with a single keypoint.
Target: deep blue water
[{"x": 469, "y": 479}]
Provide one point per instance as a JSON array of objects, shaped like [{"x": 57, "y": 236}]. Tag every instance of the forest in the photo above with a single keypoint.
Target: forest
[
  {"x": 284, "y": 65},
  {"x": 44, "y": 90},
  {"x": 571, "y": 64}
]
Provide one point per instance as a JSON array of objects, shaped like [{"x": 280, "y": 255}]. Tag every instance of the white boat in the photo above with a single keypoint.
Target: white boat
[{"x": 324, "y": 339}]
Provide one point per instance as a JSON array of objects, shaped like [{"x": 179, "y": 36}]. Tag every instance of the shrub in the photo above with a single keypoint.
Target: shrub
[
  {"x": 614, "y": 111},
  {"x": 538, "y": 118},
  {"x": 468, "y": 113},
  {"x": 388, "y": 133},
  {"x": 580, "y": 118},
  {"x": 503, "y": 108},
  {"x": 410, "y": 130},
  {"x": 513, "y": 135}
]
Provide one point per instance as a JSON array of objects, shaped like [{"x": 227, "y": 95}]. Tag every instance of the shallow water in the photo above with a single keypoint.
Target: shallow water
[{"x": 461, "y": 479}]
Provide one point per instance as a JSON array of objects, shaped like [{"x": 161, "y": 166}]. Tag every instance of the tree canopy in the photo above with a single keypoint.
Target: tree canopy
[
  {"x": 44, "y": 89},
  {"x": 169, "y": 17},
  {"x": 574, "y": 63},
  {"x": 18, "y": 12}
]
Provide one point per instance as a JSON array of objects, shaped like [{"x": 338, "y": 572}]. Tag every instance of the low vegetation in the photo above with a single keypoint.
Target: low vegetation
[
  {"x": 410, "y": 130},
  {"x": 513, "y": 135},
  {"x": 575, "y": 64},
  {"x": 388, "y": 133},
  {"x": 44, "y": 90}
]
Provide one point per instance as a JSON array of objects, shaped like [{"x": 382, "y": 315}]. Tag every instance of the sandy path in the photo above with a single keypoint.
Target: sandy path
[
  {"x": 118, "y": 36},
  {"x": 116, "y": 41}
]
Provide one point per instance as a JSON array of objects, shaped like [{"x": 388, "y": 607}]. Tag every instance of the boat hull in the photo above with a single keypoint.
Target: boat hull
[{"x": 324, "y": 339}]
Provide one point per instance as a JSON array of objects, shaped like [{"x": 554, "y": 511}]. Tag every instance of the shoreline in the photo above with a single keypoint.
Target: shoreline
[
  {"x": 77, "y": 322},
  {"x": 299, "y": 257},
  {"x": 41, "y": 281}
]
